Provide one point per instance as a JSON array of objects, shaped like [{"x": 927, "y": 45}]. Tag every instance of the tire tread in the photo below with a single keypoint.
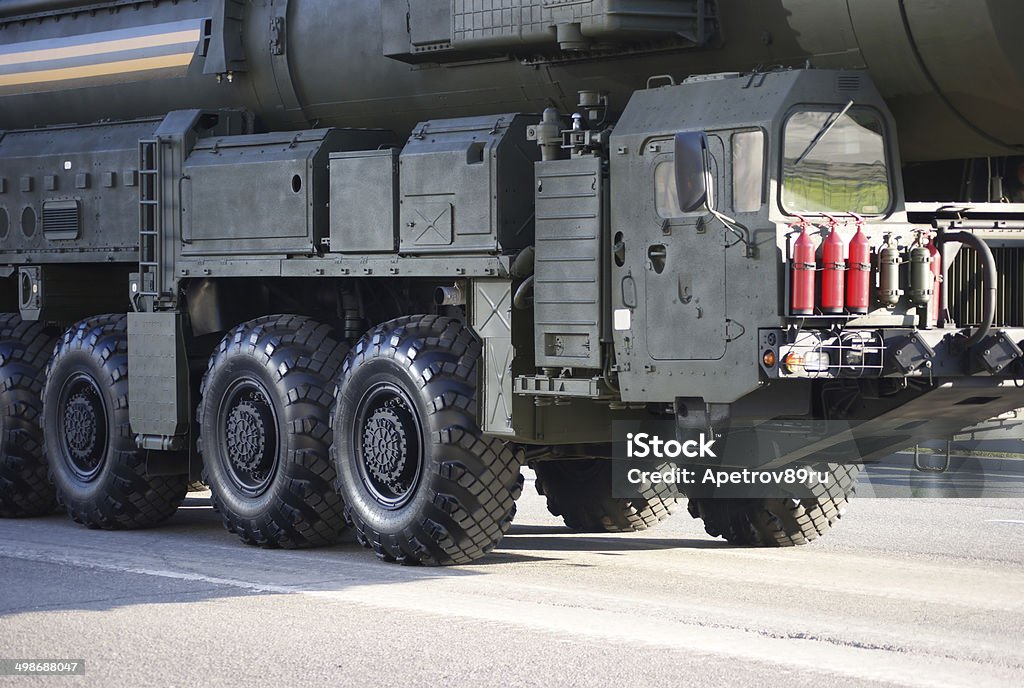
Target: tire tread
[
  {"x": 478, "y": 480},
  {"x": 128, "y": 497},
  {"x": 586, "y": 504},
  {"x": 306, "y": 358},
  {"x": 25, "y": 487},
  {"x": 779, "y": 522}
]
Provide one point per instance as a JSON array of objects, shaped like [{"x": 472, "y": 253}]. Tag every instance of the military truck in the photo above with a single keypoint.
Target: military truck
[{"x": 355, "y": 264}]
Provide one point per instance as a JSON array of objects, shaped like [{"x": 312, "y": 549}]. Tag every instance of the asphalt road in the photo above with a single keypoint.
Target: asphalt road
[{"x": 922, "y": 592}]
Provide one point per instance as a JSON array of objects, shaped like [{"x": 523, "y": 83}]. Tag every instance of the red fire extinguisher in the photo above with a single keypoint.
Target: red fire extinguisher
[
  {"x": 832, "y": 277},
  {"x": 858, "y": 274},
  {"x": 804, "y": 265}
]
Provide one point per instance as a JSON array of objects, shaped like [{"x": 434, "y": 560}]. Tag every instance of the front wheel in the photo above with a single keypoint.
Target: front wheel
[
  {"x": 580, "y": 491},
  {"x": 780, "y": 522},
  {"x": 420, "y": 482}
]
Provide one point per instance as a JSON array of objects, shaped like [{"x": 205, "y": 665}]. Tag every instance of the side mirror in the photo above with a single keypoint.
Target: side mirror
[{"x": 692, "y": 171}]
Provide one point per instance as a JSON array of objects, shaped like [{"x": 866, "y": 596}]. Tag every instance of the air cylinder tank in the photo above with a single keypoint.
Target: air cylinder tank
[
  {"x": 922, "y": 280},
  {"x": 889, "y": 275}
]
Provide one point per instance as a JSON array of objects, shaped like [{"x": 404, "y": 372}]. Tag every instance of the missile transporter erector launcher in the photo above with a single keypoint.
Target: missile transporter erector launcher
[{"x": 356, "y": 264}]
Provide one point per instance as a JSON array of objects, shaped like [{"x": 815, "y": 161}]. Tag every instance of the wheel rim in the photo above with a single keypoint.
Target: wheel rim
[
  {"x": 247, "y": 435},
  {"x": 82, "y": 416},
  {"x": 389, "y": 445}
]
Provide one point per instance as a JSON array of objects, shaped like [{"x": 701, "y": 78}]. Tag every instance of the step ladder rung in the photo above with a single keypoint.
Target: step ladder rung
[{"x": 150, "y": 220}]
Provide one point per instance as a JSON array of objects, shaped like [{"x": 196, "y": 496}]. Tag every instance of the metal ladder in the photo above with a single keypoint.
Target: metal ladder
[{"x": 150, "y": 223}]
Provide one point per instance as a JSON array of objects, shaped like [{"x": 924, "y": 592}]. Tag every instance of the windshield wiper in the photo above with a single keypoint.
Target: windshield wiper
[{"x": 825, "y": 129}]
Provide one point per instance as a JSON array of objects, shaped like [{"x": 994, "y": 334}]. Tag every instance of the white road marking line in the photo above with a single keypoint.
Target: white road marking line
[
  {"x": 429, "y": 597},
  {"x": 1005, "y": 520}
]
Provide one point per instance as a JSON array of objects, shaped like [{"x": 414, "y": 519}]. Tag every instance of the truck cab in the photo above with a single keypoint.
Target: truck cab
[{"x": 712, "y": 184}]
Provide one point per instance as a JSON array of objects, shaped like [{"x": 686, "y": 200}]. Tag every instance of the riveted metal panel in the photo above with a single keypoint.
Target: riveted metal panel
[
  {"x": 44, "y": 167},
  {"x": 465, "y": 185},
  {"x": 492, "y": 321},
  {"x": 364, "y": 201},
  {"x": 567, "y": 291},
  {"x": 455, "y": 29},
  {"x": 686, "y": 284},
  {"x": 157, "y": 374},
  {"x": 265, "y": 193}
]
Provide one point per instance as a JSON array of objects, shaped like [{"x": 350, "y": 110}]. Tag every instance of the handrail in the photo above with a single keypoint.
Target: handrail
[{"x": 991, "y": 279}]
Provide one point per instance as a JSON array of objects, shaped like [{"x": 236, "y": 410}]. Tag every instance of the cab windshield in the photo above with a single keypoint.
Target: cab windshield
[{"x": 835, "y": 162}]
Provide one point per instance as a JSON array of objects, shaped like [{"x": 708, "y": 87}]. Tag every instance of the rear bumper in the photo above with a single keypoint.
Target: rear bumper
[
  {"x": 890, "y": 352},
  {"x": 884, "y": 426}
]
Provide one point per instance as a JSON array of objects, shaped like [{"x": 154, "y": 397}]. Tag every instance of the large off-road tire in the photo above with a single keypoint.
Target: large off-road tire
[
  {"x": 99, "y": 473},
  {"x": 421, "y": 483},
  {"x": 25, "y": 488},
  {"x": 779, "y": 522},
  {"x": 580, "y": 491},
  {"x": 264, "y": 420}
]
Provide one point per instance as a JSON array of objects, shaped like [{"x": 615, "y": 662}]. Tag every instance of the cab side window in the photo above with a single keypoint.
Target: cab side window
[
  {"x": 747, "y": 171},
  {"x": 666, "y": 196}
]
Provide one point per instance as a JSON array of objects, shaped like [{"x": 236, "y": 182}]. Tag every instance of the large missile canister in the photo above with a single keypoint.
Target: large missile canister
[{"x": 392, "y": 63}]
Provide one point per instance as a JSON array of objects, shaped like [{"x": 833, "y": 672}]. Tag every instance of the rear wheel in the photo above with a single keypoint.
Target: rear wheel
[
  {"x": 99, "y": 473},
  {"x": 25, "y": 488},
  {"x": 264, "y": 421},
  {"x": 580, "y": 491},
  {"x": 779, "y": 522},
  {"x": 421, "y": 483}
]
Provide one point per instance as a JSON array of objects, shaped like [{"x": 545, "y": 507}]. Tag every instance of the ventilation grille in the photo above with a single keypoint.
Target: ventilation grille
[
  {"x": 847, "y": 82},
  {"x": 61, "y": 220},
  {"x": 966, "y": 287}
]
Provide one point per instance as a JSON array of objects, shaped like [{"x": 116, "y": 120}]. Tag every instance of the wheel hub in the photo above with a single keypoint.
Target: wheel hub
[
  {"x": 80, "y": 428},
  {"x": 246, "y": 436},
  {"x": 82, "y": 417},
  {"x": 388, "y": 440},
  {"x": 385, "y": 446}
]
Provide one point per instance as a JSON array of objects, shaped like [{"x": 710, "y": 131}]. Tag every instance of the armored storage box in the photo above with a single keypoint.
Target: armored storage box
[
  {"x": 467, "y": 185},
  {"x": 364, "y": 201},
  {"x": 264, "y": 193}
]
